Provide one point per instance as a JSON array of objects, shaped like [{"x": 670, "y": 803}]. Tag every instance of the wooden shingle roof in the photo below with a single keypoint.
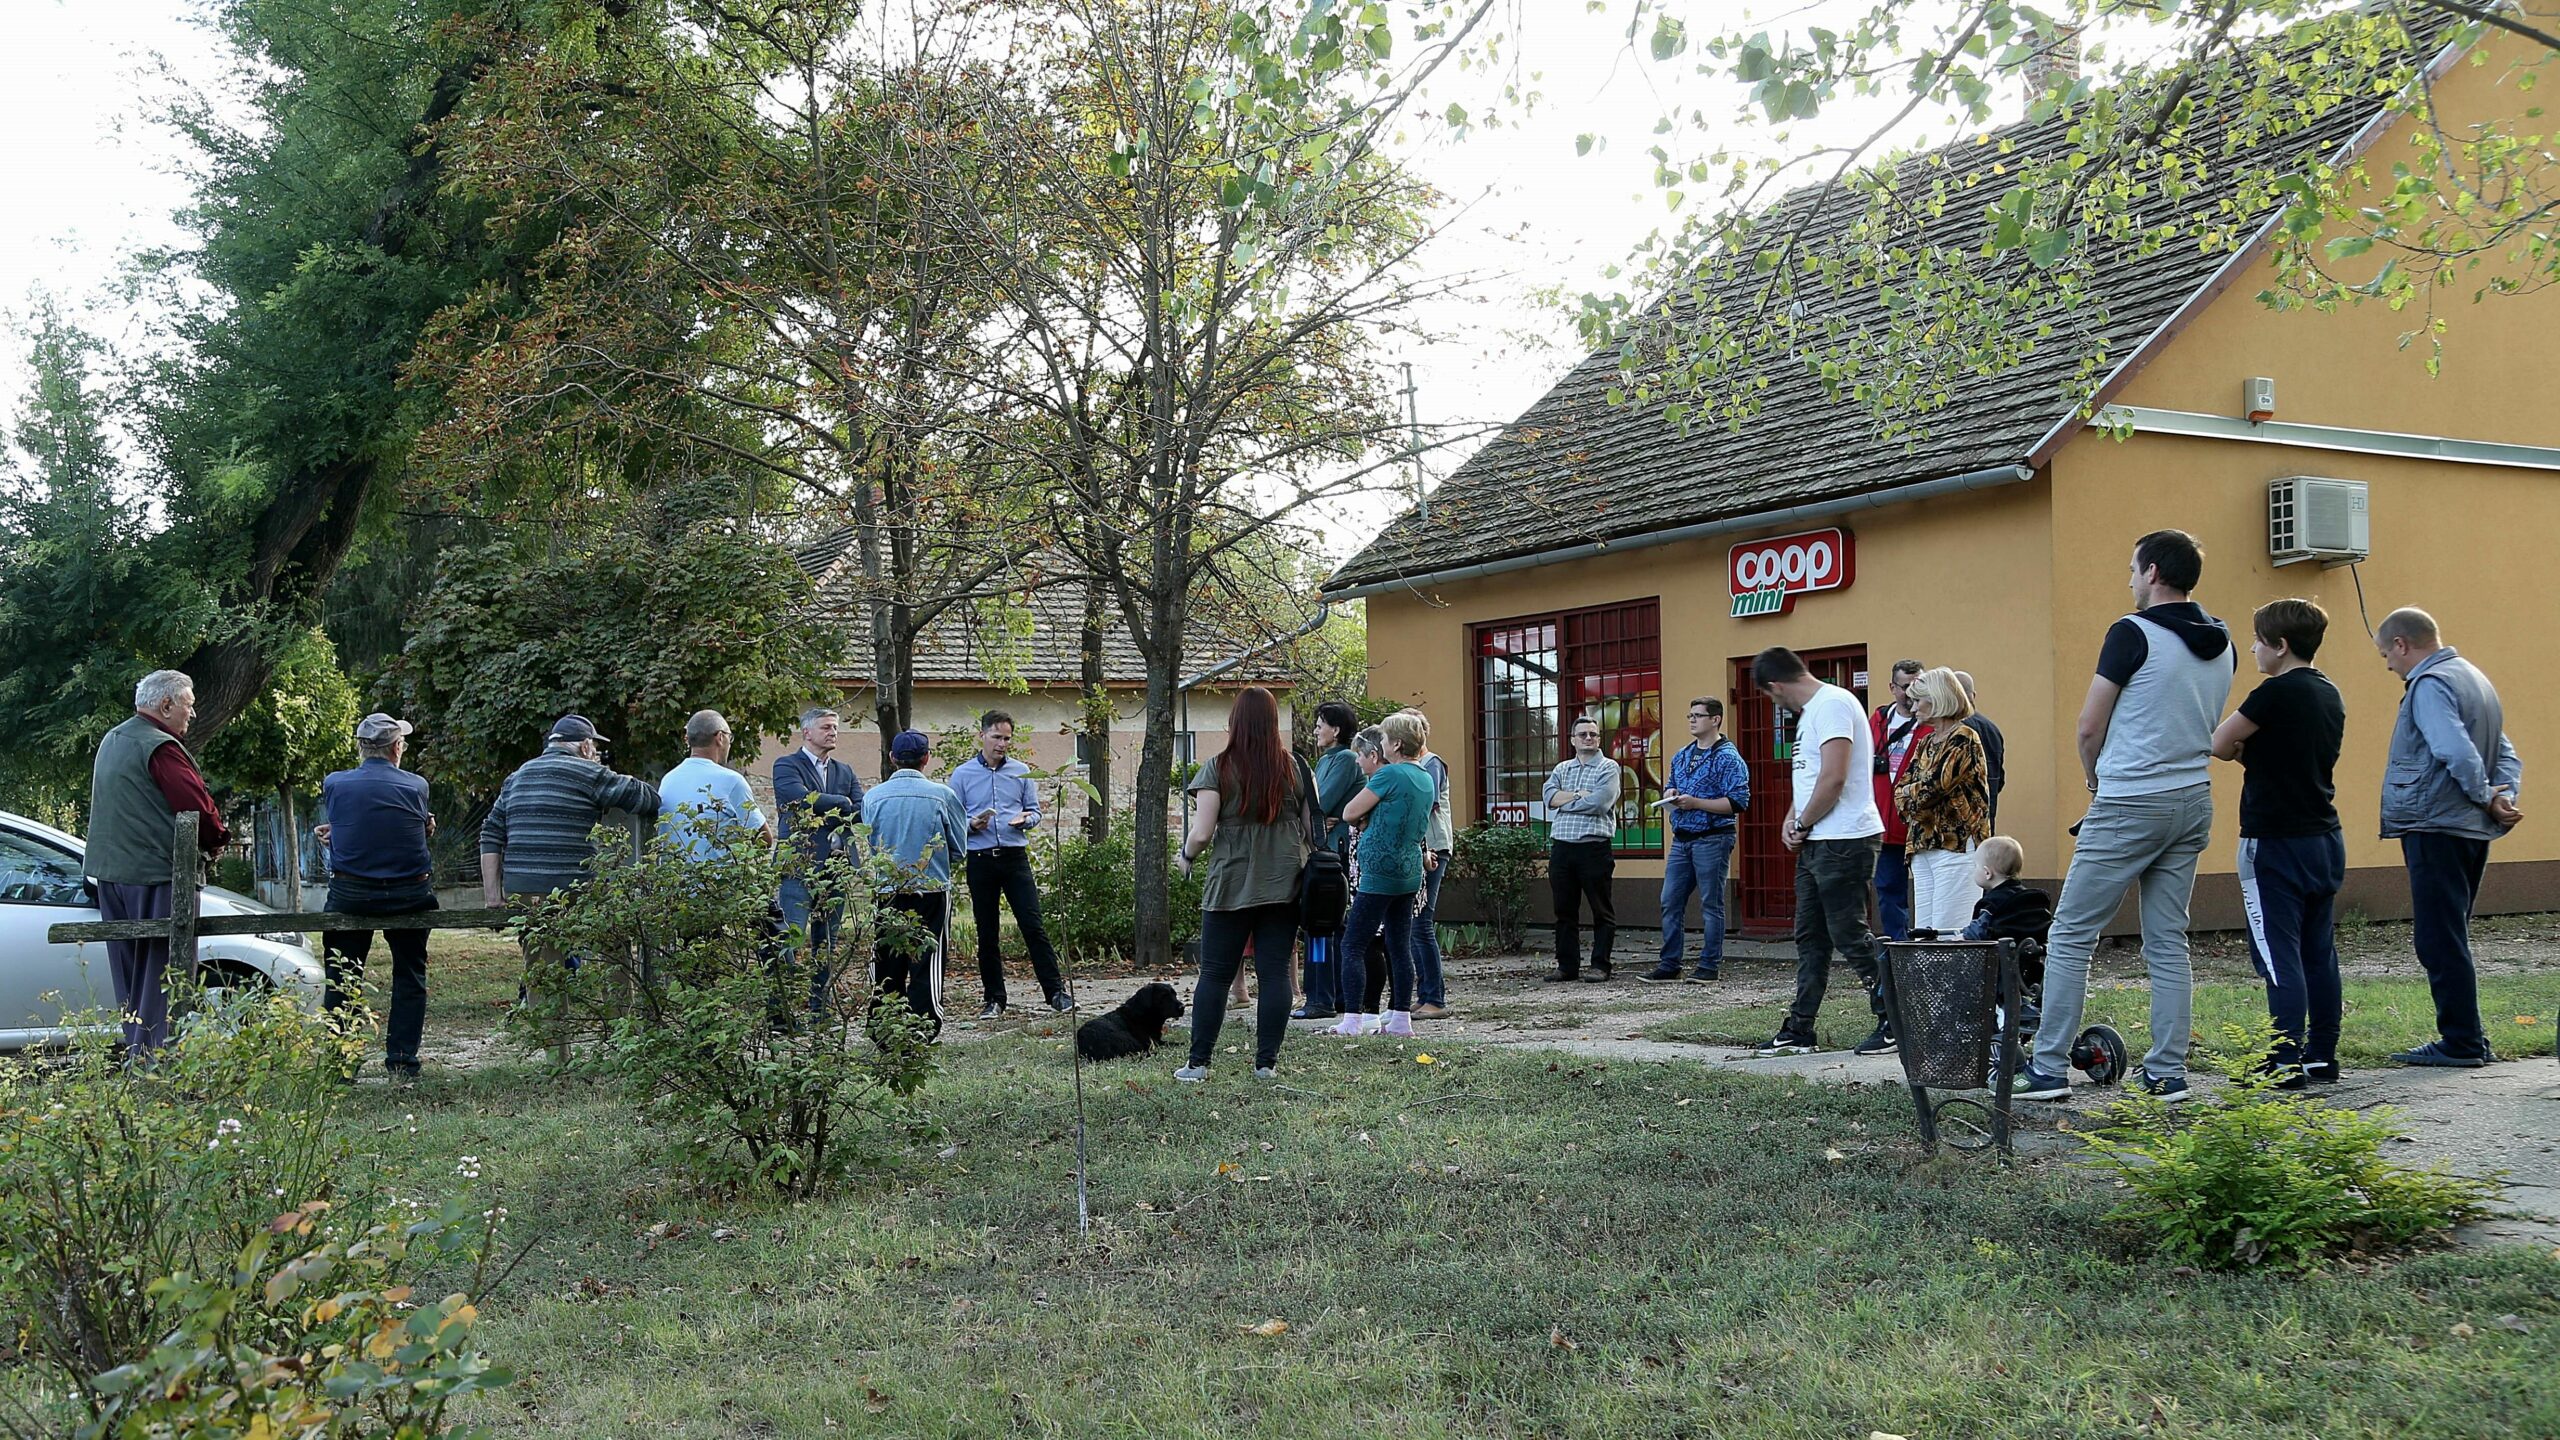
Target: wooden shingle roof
[{"x": 1574, "y": 469}]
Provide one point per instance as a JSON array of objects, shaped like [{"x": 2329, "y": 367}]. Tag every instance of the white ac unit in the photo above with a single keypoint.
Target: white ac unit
[{"x": 2309, "y": 518}]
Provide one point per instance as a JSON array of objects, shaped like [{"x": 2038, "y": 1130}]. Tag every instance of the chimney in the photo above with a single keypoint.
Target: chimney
[{"x": 2057, "y": 64}]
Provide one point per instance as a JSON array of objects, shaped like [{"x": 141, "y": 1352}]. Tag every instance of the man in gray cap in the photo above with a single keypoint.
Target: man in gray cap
[
  {"x": 376, "y": 825},
  {"x": 535, "y": 839},
  {"x": 917, "y": 823}
]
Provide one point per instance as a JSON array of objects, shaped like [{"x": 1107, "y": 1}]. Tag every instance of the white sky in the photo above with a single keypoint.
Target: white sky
[{"x": 91, "y": 181}]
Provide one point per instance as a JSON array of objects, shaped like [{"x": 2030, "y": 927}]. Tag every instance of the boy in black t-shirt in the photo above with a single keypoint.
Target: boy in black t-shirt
[{"x": 2292, "y": 856}]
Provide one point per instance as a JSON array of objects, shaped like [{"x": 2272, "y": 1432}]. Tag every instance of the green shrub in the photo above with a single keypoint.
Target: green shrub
[
  {"x": 314, "y": 1337},
  {"x": 235, "y": 874},
  {"x": 1500, "y": 861},
  {"x": 112, "y": 1178},
  {"x": 2264, "y": 1177},
  {"x": 765, "y": 1063},
  {"x": 1089, "y": 896}
]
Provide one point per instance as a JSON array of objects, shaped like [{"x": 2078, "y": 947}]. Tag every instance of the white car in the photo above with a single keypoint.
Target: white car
[{"x": 41, "y": 982}]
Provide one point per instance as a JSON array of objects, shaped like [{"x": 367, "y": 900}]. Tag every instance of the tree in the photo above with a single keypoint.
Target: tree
[
  {"x": 1979, "y": 252},
  {"x": 89, "y": 600},
  {"x": 299, "y": 727},
  {"x": 1199, "y": 237},
  {"x": 634, "y": 625}
]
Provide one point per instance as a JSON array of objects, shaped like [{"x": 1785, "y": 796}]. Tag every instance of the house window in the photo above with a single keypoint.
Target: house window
[
  {"x": 1086, "y": 749},
  {"x": 1186, "y": 746},
  {"x": 1534, "y": 675}
]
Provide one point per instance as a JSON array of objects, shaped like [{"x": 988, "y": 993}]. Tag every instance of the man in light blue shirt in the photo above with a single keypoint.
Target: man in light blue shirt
[
  {"x": 1002, "y": 804},
  {"x": 917, "y": 824},
  {"x": 704, "y": 807}
]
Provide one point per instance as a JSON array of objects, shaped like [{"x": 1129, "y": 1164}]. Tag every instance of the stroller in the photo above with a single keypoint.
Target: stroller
[{"x": 2025, "y": 914}]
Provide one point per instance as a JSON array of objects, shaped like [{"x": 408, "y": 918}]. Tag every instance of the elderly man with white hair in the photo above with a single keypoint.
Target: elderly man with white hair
[{"x": 142, "y": 781}]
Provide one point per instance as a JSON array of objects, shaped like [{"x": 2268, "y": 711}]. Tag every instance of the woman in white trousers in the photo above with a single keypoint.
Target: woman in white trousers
[{"x": 1945, "y": 798}]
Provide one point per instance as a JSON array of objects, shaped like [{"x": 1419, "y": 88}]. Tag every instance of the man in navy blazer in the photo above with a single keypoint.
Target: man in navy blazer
[{"x": 811, "y": 777}]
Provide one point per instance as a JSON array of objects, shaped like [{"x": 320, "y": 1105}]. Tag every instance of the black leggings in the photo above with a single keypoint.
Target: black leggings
[{"x": 1273, "y": 929}]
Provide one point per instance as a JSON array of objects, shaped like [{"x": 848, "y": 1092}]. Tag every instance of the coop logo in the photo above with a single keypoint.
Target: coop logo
[{"x": 1766, "y": 576}]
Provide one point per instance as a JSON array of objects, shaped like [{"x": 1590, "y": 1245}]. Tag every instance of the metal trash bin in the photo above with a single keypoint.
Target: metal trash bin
[{"x": 1954, "y": 1005}]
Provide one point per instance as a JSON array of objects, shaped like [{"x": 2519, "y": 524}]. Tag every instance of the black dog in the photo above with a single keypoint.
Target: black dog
[{"x": 1133, "y": 1029}]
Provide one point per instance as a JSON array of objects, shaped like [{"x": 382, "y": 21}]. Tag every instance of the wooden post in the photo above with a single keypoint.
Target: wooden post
[{"x": 185, "y": 876}]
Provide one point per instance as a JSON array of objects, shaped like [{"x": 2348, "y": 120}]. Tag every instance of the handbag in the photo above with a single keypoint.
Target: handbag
[{"x": 1324, "y": 887}]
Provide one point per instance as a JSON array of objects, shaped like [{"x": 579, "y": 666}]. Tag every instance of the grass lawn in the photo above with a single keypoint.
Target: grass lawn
[
  {"x": 1494, "y": 1243},
  {"x": 2383, "y": 1016}
]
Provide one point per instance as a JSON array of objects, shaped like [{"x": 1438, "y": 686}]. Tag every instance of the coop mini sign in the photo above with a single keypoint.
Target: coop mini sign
[{"x": 1766, "y": 576}]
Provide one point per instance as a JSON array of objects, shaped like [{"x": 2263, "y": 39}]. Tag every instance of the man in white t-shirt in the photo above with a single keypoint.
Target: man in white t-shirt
[{"x": 1835, "y": 831}]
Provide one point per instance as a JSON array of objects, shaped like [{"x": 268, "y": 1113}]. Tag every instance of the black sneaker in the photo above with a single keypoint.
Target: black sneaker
[
  {"x": 2286, "y": 1077},
  {"x": 1062, "y": 1002},
  {"x": 2167, "y": 1091},
  {"x": 2433, "y": 1056},
  {"x": 994, "y": 1011},
  {"x": 1703, "y": 975},
  {"x": 2029, "y": 1083},
  {"x": 1597, "y": 974},
  {"x": 1562, "y": 977},
  {"x": 1879, "y": 1043},
  {"x": 1788, "y": 1042},
  {"x": 1661, "y": 975},
  {"x": 1309, "y": 1012},
  {"x": 2321, "y": 1072}
]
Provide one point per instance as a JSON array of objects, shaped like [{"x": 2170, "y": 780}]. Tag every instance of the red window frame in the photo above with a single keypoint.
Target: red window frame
[{"x": 1531, "y": 675}]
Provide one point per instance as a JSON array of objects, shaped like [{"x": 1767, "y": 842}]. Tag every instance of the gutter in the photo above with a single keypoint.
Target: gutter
[
  {"x": 1985, "y": 479},
  {"x": 2447, "y": 449}
]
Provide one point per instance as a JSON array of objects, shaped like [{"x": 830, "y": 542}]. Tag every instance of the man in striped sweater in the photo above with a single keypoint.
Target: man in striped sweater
[{"x": 535, "y": 839}]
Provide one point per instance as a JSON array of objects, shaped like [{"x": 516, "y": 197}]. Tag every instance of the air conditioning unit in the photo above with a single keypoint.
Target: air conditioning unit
[{"x": 2309, "y": 518}]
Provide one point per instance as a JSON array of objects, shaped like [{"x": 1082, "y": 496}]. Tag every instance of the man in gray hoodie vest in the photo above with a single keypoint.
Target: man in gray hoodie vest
[
  {"x": 2450, "y": 787},
  {"x": 2146, "y": 744}
]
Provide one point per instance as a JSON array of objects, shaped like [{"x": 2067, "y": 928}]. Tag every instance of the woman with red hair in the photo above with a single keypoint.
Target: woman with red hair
[{"x": 1254, "y": 806}]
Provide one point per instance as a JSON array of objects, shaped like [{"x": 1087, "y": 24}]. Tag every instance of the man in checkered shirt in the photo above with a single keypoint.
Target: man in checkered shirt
[{"x": 1582, "y": 825}]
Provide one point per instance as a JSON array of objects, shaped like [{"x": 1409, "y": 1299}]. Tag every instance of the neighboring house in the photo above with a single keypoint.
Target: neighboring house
[
  {"x": 953, "y": 685},
  {"x": 1594, "y": 558}
]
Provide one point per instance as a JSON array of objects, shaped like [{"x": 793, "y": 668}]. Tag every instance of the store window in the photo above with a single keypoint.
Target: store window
[{"x": 1534, "y": 674}]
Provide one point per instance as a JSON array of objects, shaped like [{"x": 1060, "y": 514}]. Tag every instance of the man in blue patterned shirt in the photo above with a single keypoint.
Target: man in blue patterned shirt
[
  {"x": 1710, "y": 788},
  {"x": 1582, "y": 826}
]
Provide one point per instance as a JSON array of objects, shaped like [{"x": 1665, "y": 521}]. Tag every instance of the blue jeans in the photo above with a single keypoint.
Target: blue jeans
[
  {"x": 1429, "y": 987},
  {"x": 1893, "y": 892},
  {"x": 2444, "y": 881},
  {"x": 1695, "y": 866},
  {"x": 821, "y": 934},
  {"x": 2289, "y": 887},
  {"x": 1376, "y": 917}
]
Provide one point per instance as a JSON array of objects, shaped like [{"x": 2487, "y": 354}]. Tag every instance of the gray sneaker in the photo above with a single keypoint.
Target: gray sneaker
[{"x": 1192, "y": 1074}]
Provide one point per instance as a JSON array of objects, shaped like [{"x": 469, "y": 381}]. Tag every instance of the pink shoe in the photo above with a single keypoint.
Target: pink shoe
[
  {"x": 1399, "y": 1022},
  {"x": 1351, "y": 1022}
]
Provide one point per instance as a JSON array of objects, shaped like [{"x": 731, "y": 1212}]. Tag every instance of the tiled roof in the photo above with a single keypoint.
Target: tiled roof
[
  {"x": 951, "y": 651},
  {"x": 1574, "y": 469}
]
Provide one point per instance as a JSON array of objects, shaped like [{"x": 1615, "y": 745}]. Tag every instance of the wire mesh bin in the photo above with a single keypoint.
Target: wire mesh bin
[{"x": 1952, "y": 1004}]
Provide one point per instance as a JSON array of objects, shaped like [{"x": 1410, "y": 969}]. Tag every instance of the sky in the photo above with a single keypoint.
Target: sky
[{"x": 93, "y": 182}]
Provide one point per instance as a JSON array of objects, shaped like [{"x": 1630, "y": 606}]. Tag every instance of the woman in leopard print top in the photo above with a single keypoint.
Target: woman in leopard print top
[{"x": 1945, "y": 798}]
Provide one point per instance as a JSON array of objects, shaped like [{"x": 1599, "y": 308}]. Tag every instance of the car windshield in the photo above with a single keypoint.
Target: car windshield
[{"x": 34, "y": 872}]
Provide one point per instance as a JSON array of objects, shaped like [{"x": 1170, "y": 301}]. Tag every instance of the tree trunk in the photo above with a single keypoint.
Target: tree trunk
[
  {"x": 1097, "y": 716},
  {"x": 291, "y": 870},
  {"x": 1148, "y": 821}
]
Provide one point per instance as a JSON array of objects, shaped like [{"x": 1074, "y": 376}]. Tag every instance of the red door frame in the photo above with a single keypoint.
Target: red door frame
[{"x": 1766, "y": 903}]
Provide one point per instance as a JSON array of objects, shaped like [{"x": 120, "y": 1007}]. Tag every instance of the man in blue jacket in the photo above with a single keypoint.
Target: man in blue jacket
[
  {"x": 917, "y": 823},
  {"x": 1003, "y": 808},
  {"x": 2451, "y": 785},
  {"x": 819, "y": 799},
  {"x": 377, "y": 825},
  {"x": 1710, "y": 788}
]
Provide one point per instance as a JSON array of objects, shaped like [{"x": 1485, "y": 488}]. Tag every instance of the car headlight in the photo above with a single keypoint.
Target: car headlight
[{"x": 293, "y": 938}]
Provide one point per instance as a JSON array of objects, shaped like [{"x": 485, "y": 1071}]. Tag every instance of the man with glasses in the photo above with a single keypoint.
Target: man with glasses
[
  {"x": 1710, "y": 788},
  {"x": 1582, "y": 825}
]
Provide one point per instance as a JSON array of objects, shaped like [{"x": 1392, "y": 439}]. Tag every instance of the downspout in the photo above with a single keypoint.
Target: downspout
[{"x": 1984, "y": 479}]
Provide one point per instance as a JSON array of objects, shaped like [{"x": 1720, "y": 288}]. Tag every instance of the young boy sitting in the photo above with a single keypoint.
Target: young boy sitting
[{"x": 2009, "y": 910}]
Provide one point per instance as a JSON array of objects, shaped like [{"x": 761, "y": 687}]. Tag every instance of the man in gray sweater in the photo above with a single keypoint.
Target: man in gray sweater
[
  {"x": 535, "y": 840},
  {"x": 2146, "y": 744}
]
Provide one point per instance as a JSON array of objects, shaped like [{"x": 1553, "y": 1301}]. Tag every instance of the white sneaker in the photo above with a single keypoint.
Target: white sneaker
[
  {"x": 1192, "y": 1074},
  {"x": 1353, "y": 1023},
  {"x": 1372, "y": 1024},
  {"x": 1265, "y": 1072},
  {"x": 1398, "y": 1022}
]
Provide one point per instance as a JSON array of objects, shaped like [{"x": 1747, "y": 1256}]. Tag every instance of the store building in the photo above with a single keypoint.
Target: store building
[{"x": 1595, "y": 560}]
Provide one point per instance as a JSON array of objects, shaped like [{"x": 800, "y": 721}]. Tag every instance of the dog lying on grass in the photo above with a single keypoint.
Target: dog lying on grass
[{"x": 1135, "y": 1028}]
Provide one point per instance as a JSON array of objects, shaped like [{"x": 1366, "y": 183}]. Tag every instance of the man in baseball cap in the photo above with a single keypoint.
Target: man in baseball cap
[
  {"x": 376, "y": 824},
  {"x": 571, "y": 728},
  {"x": 917, "y": 823},
  {"x": 535, "y": 840}
]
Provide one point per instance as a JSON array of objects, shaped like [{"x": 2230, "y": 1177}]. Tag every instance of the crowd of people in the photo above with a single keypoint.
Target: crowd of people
[{"x": 1891, "y": 814}]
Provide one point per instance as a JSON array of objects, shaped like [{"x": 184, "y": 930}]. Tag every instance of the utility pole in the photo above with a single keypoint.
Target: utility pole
[{"x": 1413, "y": 444}]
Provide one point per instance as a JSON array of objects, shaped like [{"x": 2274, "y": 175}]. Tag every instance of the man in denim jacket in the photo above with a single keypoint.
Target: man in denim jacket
[
  {"x": 1710, "y": 788},
  {"x": 2450, "y": 787}
]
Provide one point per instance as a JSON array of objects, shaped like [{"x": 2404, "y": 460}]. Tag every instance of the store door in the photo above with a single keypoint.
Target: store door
[{"x": 1766, "y": 906}]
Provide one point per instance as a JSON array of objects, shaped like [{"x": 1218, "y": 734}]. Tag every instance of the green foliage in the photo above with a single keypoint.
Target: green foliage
[
  {"x": 299, "y": 728},
  {"x": 2265, "y": 1177},
  {"x": 633, "y": 628},
  {"x": 762, "y": 1070},
  {"x": 112, "y": 1178},
  {"x": 315, "y": 1338},
  {"x": 1089, "y": 896},
  {"x": 1500, "y": 861}
]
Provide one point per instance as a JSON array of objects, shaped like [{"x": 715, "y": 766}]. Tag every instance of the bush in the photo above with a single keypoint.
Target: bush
[
  {"x": 313, "y": 1337},
  {"x": 235, "y": 874},
  {"x": 113, "y": 1178},
  {"x": 1089, "y": 896},
  {"x": 1500, "y": 861},
  {"x": 765, "y": 1064},
  {"x": 2263, "y": 1177}
]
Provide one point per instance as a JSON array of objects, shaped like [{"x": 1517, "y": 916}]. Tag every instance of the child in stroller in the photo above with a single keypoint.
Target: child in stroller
[{"x": 2011, "y": 910}]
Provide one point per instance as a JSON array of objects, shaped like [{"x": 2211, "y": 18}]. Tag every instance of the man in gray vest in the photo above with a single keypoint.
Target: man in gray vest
[
  {"x": 2450, "y": 787},
  {"x": 143, "y": 780},
  {"x": 2146, "y": 745}
]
